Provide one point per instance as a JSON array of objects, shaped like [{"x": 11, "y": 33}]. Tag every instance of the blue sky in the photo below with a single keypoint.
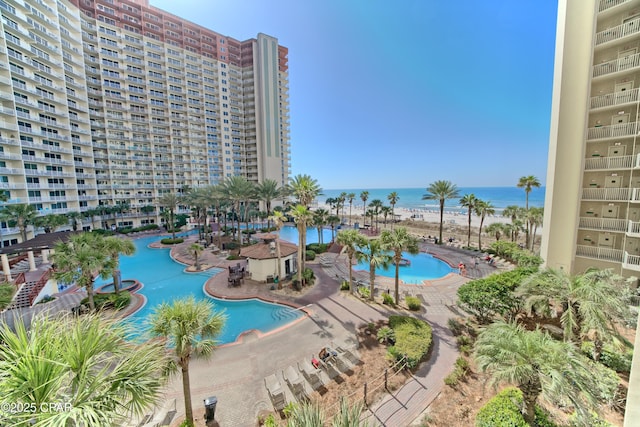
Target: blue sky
[{"x": 391, "y": 94}]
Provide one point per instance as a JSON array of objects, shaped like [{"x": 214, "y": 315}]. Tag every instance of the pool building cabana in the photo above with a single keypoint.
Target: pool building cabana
[{"x": 262, "y": 258}]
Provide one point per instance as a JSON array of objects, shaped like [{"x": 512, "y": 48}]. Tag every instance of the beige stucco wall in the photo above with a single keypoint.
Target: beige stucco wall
[{"x": 260, "y": 269}]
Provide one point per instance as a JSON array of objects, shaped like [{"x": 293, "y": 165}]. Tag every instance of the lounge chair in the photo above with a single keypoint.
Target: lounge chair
[
  {"x": 276, "y": 392},
  {"x": 311, "y": 374},
  {"x": 295, "y": 383},
  {"x": 348, "y": 353}
]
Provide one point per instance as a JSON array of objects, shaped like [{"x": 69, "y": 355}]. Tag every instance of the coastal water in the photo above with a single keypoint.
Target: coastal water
[{"x": 411, "y": 198}]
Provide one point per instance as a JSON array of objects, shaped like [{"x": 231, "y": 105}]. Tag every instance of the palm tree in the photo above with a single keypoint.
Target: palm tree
[
  {"x": 482, "y": 209},
  {"x": 198, "y": 199},
  {"x": 320, "y": 219},
  {"x": 593, "y": 303},
  {"x": 86, "y": 362},
  {"x": 537, "y": 364},
  {"x": 170, "y": 202},
  {"x": 267, "y": 191},
  {"x": 115, "y": 247},
  {"x": 91, "y": 214},
  {"x": 535, "y": 216},
  {"x": 441, "y": 191},
  {"x": 51, "y": 222},
  {"x": 302, "y": 216},
  {"x": 196, "y": 250},
  {"x": 79, "y": 259},
  {"x": 351, "y": 240},
  {"x": 469, "y": 201},
  {"x": 333, "y": 221},
  {"x": 278, "y": 221},
  {"x": 374, "y": 255},
  {"x": 496, "y": 229},
  {"x": 305, "y": 189},
  {"x": 350, "y": 197},
  {"x": 386, "y": 211},
  {"x": 528, "y": 183},
  {"x": 74, "y": 217},
  {"x": 190, "y": 328},
  {"x": 147, "y": 210},
  {"x": 24, "y": 215},
  {"x": 375, "y": 206},
  {"x": 238, "y": 190},
  {"x": 398, "y": 240},
  {"x": 393, "y": 199},
  {"x": 364, "y": 196},
  {"x": 332, "y": 202},
  {"x": 341, "y": 200}
]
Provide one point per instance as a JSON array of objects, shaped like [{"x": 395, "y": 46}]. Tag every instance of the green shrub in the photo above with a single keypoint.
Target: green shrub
[
  {"x": 593, "y": 421},
  {"x": 102, "y": 232},
  {"x": 233, "y": 257},
  {"x": 317, "y": 247},
  {"x": 466, "y": 349},
  {"x": 270, "y": 421},
  {"x": 462, "y": 363},
  {"x": 170, "y": 241},
  {"x": 463, "y": 340},
  {"x": 386, "y": 335},
  {"x": 6, "y": 294},
  {"x": 344, "y": 286},
  {"x": 413, "y": 303},
  {"x": 364, "y": 291},
  {"x": 504, "y": 410},
  {"x": 111, "y": 300},
  {"x": 413, "y": 339},
  {"x": 387, "y": 299},
  {"x": 309, "y": 255},
  {"x": 619, "y": 361},
  {"x": 46, "y": 299},
  {"x": 452, "y": 379},
  {"x": 186, "y": 423},
  {"x": 231, "y": 246},
  {"x": 455, "y": 326},
  {"x": 308, "y": 276}
]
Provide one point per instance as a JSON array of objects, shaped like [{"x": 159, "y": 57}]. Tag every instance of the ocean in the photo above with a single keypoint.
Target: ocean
[{"x": 411, "y": 198}]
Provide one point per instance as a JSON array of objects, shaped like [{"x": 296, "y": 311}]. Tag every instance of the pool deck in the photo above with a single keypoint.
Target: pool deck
[{"x": 235, "y": 373}]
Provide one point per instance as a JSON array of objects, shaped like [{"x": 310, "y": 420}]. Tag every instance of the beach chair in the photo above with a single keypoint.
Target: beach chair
[
  {"x": 311, "y": 374},
  {"x": 348, "y": 353},
  {"x": 295, "y": 383},
  {"x": 276, "y": 392}
]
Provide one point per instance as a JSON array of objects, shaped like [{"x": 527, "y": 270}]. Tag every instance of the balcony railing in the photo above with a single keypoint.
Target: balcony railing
[
  {"x": 606, "y": 193},
  {"x": 604, "y": 224},
  {"x": 613, "y": 131},
  {"x": 633, "y": 229},
  {"x": 606, "y": 254},
  {"x": 608, "y": 4},
  {"x": 623, "y": 30},
  {"x": 616, "y": 65},
  {"x": 616, "y": 162},
  {"x": 615, "y": 98}
]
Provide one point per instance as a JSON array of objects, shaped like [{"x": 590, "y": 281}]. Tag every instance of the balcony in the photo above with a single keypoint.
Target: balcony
[
  {"x": 616, "y": 65},
  {"x": 613, "y": 131},
  {"x": 614, "y": 99},
  {"x": 631, "y": 262},
  {"x": 607, "y": 194},
  {"x": 605, "y": 224},
  {"x": 605, "y": 254},
  {"x": 608, "y": 4}
]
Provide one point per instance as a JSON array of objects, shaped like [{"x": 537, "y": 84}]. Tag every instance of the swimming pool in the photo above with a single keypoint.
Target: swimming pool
[
  {"x": 290, "y": 234},
  {"x": 423, "y": 267},
  {"x": 164, "y": 280}
]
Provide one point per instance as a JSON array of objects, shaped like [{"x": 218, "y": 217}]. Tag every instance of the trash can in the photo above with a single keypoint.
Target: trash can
[{"x": 210, "y": 408}]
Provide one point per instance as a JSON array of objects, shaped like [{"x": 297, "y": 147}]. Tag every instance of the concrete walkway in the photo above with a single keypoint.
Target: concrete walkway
[{"x": 236, "y": 372}]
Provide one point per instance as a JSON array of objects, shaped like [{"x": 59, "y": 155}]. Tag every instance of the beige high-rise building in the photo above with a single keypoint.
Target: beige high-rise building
[
  {"x": 111, "y": 102},
  {"x": 592, "y": 204}
]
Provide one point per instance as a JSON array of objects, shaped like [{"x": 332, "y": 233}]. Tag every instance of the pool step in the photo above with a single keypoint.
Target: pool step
[{"x": 285, "y": 313}]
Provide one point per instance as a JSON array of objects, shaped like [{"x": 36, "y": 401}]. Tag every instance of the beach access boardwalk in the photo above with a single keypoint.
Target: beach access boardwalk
[{"x": 235, "y": 374}]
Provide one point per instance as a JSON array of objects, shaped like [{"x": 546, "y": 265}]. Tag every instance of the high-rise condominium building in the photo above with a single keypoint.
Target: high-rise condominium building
[
  {"x": 592, "y": 205},
  {"x": 110, "y": 102}
]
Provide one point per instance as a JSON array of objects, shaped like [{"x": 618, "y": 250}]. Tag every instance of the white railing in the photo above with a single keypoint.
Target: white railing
[
  {"x": 633, "y": 229},
  {"x": 613, "y": 131},
  {"x": 631, "y": 262},
  {"x": 616, "y": 162},
  {"x": 607, "y": 254},
  {"x": 615, "y": 65},
  {"x": 608, "y": 4},
  {"x": 635, "y": 195},
  {"x": 605, "y": 224},
  {"x": 615, "y": 98},
  {"x": 606, "y": 193},
  {"x": 623, "y": 30}
]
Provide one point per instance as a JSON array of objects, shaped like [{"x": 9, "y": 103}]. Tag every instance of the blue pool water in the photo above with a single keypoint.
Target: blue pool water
[
  {"x": 164, "y": 280},
  {"x": 290, "y": 234},
  {"x": 423, "y": 267}
]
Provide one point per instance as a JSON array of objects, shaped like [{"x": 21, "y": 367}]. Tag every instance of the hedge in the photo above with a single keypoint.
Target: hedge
[
  {"x": 413, "y": 303},
  {"x": 111, "y": 300},
  {"x": 170, "y": 241},
  {"x": 504, "y": 410},
  {"x": 309, "y": 255},
  {"x": 413, "y": 339}
]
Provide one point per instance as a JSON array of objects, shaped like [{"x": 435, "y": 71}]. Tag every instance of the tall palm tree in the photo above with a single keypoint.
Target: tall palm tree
[
  {"x": 528, "y": 183},
  {"x": 398, "y": 240},
  {"x": 333, "y": 221},
  {"x": 514, "y": 212},
  {"x": 496, "y": 229},
  {"x": 386, "y": 211},
  {"x": 190, "y": 328},
  {"x": 79, "y": 259},
  {"x": 593, "y": 303},
  {"x": 320, "y": 219},
  {"x": 198, "y": 199},
  {"x": 393, "y": 199},
  {"x": 342, "y": 198},
  {"x": 237, "y": 189},
  {"x": 469, "y": 201},
  {"x": 267, "y": 191},
  {"x": 87, "y": 363},
  {"x": 24, "y": 215},
  {"x": 74, "y": 218},
  {"x": 364, "y": 196},
  {"x": 482, "y": 209},
  {"x": 301, "y": 216},
  {"x": 278, "y": 219},
  {"x": 441, "y": 191},
  {"x": 538, "y": 365},
  {"x": 374, "y": 255},
  {"x": 351, "y": 240},
  {"x": 333, "y": 204},
  {"x": 375, "y": 206},
  {"x": 535, "y": 216},
  {"x": 305, "y": 189},
  {"x": 170, "y": 202},
  {"x": 50, "y": 222},
  {"x": 350, "y": 197},
  {"x": 196, "y": 249},
  {"x": 147, "y": 210},
  {"x": 114, "y": 247}
]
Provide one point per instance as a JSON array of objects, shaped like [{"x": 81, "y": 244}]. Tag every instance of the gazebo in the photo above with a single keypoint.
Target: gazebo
[{"x": 262, "y": 258}]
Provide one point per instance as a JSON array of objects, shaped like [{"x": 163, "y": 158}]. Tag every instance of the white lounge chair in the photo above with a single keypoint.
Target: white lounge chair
[
  {"x": 311, "y": 374},
  {"x": 295, "y": 383},
  {"x": 276, "y": 392}
]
